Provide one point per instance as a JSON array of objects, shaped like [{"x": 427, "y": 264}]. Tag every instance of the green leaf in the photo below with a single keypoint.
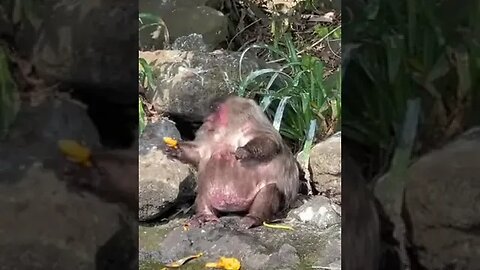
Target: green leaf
[
  {"x": 9, "y": 97},
  {"x": 279, "y": 113},
  {"x": 142, "y": 121}
]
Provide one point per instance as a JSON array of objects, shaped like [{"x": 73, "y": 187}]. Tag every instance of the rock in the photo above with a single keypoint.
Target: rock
[
  {"x": 39, "y": 256},
  {"x": 69, "y": 120},
  {"x": 56, "y": 119},
  {"x": 192, "y": 42},
  {"x": 258, "y": 248},
  {"x": 152, "y": 136},
  {"x": 44, "y": 223},
  {"x": 187, "y": 81},
  {"x": 178, "y": 244},
  {"x": 38, "y": 130},
  {"x": 208, "y": 22},
  {"x": 66, "y": 231},
  {"x": 286, "y": 256},
  {"x": 216, "y": 4},
  {"x": 163, "y": 182},
  {"x": 204, "y": 20},
  {"x": 335, "y": 265},
  {"x": 318, "y": 211},
  {"x": 68, "y": 42},
  {"x": 332, "y": 249},
  {"x": 121, "y": 251},
  {"x": 441, "y": 198},
  {"x": 326, "y": 164}
]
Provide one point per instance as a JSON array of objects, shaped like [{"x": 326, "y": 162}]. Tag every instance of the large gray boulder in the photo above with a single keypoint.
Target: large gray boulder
[
  {"x": 186, "y": 81},
  {"x": 442, "y": 199},
  {"x": 163, "y": 182},
  {"x": 326, "y": 165}
]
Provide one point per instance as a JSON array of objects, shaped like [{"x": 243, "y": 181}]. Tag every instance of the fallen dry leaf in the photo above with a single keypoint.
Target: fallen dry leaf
[{"x": 182, "y": 261}]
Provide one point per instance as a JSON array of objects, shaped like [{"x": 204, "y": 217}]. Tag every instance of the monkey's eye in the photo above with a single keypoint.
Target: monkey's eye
[{"x": 214, "y": 107}]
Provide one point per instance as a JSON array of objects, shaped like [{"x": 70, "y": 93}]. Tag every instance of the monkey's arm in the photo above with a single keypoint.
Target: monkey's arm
[
  {"x": 186, "y": 152},
  {"x": 261, "y": 148}
]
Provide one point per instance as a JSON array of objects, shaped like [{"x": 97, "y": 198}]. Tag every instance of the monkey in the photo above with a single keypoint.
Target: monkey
[
  {"x": 361, "y": 239},
  {"x": 113, "y": 176},
  {"x": 243, "y": 164},
  {"x": 119, "y": 172}
]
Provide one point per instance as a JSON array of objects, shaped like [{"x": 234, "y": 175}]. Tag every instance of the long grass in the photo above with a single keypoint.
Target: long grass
[
  {"x": 297, "y": 95},
  {"x": 153, "y": 26},
  {"x": 399, "y": 50},
  {"x": 146, "y": 80}
]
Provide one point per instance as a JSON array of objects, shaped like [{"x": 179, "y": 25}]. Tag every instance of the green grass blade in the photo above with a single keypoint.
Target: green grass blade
[{"x": 279, "y": 113}]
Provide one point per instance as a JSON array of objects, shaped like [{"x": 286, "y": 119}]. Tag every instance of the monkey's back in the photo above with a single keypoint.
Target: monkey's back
[{"x": 285, "y": 170}]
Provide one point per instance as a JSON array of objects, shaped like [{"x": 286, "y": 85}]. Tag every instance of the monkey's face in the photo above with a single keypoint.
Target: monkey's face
[
  {"x": 218, "y": 116},
  {"x": 231, "y": 112}
]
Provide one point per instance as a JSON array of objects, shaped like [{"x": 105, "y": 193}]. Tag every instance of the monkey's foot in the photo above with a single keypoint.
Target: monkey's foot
[
  {"x": 201, "y": 219},
  {"x": 248, "y": 222}
]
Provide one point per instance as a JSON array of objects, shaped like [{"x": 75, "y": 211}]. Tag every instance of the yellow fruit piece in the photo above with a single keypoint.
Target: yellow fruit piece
[
  {"x": 225, "y": 263},
  {"x": 171, "y": 142},
  {"x": 75, "y": 152}
]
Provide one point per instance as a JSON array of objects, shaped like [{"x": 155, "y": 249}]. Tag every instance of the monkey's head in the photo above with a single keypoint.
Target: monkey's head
[{"x": 233, "y": 111}]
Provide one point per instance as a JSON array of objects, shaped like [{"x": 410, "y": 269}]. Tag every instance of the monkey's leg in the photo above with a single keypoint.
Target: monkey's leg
[
  {"x": 261, "y": 148},
  {"x": 204, "y": 212},
  {"x": 186, "y": 152},
  {"x": 264, "y": 206}
]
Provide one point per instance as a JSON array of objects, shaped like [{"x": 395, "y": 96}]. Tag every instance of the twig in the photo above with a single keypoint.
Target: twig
[
  {"x": 309, "y": 47},
  {"x": 331, "y": 50},
  {"x": 241, "y": 31}
]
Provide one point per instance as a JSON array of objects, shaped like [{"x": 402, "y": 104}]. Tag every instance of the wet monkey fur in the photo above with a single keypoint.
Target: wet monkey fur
[{"x": 243, "y": 164}]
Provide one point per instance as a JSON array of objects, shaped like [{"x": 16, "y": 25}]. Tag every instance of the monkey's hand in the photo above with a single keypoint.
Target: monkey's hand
[
  {"x": 185, "y": 152},
  {"x": 173, "y": 152},
  {"x": 261, "y": 148}
]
